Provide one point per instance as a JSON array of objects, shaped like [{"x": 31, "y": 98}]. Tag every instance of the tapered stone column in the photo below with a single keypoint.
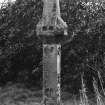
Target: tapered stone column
[
  {"x": 51, "y": 74},
  {"x": 52, "y": 30}
]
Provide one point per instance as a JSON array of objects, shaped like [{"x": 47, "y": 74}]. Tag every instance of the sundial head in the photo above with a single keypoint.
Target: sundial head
[{"x": 51, "y": 23}]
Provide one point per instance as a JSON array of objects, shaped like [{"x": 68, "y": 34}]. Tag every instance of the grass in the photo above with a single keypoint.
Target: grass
[{"x": 17, "y": 94}]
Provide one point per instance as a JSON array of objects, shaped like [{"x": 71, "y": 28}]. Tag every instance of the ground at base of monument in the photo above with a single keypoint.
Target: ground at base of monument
[{"x": 17, "y": 95}]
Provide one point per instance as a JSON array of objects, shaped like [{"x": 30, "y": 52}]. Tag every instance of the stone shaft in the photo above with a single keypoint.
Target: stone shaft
[{"x": 51, "y": 74}]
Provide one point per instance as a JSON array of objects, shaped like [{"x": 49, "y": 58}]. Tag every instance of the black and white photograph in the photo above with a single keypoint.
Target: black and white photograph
[{"x": 52, "y": 52}]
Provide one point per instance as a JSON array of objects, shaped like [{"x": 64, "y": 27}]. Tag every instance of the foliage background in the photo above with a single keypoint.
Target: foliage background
[{"x": 21, "y": 49}]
